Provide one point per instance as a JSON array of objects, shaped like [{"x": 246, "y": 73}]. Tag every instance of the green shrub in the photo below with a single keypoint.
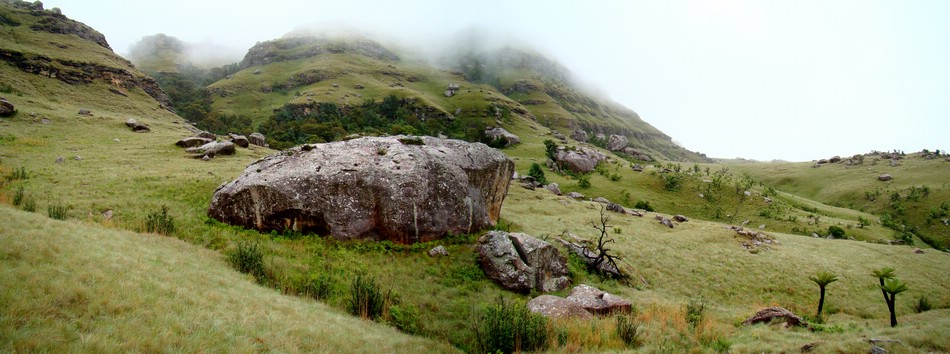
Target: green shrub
[
  {"x": 583, "y": 181},
  {"x": 366, "y": 300},
  {"x": 695, "y": 311},
  {"x": 627, "y": 326},
  {"x": 923, "y": 304},
  {"x": 58, "y": 211},
  {"x": 643, "y": 205},
  {"x": 550, "y": 149},
  {"x": 835, "y": 232},
  {"x": 510, "y": 327},
  {"x": 537, "y": 173},
  {"x": 319, "y": 287},
  {"x": 671, "y": 182},
  {"x": 160, "y": 222},
  {"x": 29, "y": 204},
  {"x": 615, "y": 177},
  {"x": 18, "y": 196},
  {"x": 248, "y": 258},
  {"x": 18, "y": 174},
  {"x": 721, "y": 345},
  {"x": 405, "y": 318}
]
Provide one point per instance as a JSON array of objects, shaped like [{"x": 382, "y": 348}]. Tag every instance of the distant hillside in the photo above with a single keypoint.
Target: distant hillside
[
  {"x": 161, "y": 53},
  {"x": 503, "y": 87}
]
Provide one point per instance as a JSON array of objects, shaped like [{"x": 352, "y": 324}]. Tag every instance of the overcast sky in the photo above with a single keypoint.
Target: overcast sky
[{"x": 792, "y": 80}]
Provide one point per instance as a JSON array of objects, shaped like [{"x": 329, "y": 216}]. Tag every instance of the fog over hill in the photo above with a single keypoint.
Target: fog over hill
[{"x": 746, "y": 79}]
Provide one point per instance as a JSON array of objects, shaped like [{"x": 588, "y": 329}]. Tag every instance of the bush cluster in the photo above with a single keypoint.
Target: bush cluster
[
  {"x": 510, "y": 327},
  {"x": 160, "y": 222},
  {"x": 366, "y": 300},
  {"x": 248, "y": 258}
]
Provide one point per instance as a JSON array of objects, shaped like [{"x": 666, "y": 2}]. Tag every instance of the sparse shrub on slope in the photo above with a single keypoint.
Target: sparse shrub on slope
[
  {"x": 248, "y": 258},
  {"x": 366, "y": 300},
  {"x": 537, "y": 173},
  {"x": 508, "y": 327},
  {"x": 160, "y": 222},
  {"x": 627, "y": 327},
  {"x": 58, "y": 211}
]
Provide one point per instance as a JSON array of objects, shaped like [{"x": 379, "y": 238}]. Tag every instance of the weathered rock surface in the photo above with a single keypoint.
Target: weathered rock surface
[
  {"x": 680, "y": 218},
  {"x": 498, "y": 133},
  {"x": 239, "y": 140},
  {"x": 212, "y": 149},
  {"x": 404, "y": 189},
  {"x": 579, "y": 135},
  {"x": 192, "y": 141},
  {"x": 6, "y": 108},
  {"x": 597, "y": 301},
  {"x": 207, "y": 135},
  {"x": 257, "y": 139},
  {"x": 885, "y": 177},
  {"x": 637, "y": 154},
  {"x": 768, "y": 314},
  {"x": 582, "y": 160},
  {"x": 575, "y": 195},
  {"x": 557, "y": 307},
  {"x": 617, "y": 208},
  {"x": 522, "y": 263},
  {"x": 438, "y": 251},
  {"x": 617, "y": 142},
  {"x": 554, "y": 188},
  {"x": 85, "y": 112}
]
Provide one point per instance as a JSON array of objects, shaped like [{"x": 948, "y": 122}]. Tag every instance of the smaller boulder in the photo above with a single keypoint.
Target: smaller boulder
[
  {"x": 617, "y": 208},
  {"x": 918, "y": 251},
  {"x": 496, "y": 134},
  {"x": 239, "y": 140},
  {"x": 554, "y": 188},
  {"x": 680, "y": 218},
  {"x": 666, "y": 222},
  {"x": 579, "y": 135},
  {"x": 602, "y": 200},
  {"x": 438, "y": 251},
  {"x": 85, "y": 112},
  {"x": 885, "y": 177},
  {"x": 522, "y": 263},
  {"x": 768, "y": 314},
  {"x": 257, "y": 139},
  {"x": 136, "y": 126},
  {"x": 557, "y": 307},
  {"x": 207, "y": 135},
  {"x": 637, "y": 168},
  {"x": 834, "y": 159},
  {"x": 575, "y": 195},
  {"x": 212, "y": 149},
  {"x": 597, "y": 301},
  {"x": 617, "y": 142},
  {"x": 6, "y": 108},
  {"x": 60, "y": 159},
  {"x": 192, "y": 141}
]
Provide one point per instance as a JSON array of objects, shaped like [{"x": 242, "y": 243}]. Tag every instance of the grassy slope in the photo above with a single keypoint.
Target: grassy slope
[{"x": 75, "y": 287}]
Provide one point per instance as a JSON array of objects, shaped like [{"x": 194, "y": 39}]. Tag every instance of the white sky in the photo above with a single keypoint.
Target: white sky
[{"x": 792, "y": 80}]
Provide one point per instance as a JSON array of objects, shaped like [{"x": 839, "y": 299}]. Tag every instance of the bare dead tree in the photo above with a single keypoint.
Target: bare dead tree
[{"x": 599, "y": 260}]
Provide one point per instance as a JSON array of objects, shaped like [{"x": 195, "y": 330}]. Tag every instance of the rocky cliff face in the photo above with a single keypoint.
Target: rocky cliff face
[{"x": 403, "y": 189}]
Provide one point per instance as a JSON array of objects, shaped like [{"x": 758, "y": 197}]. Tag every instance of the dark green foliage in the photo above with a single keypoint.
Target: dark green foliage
[
  {"x": 405, "y": 318},
  {"x": 721, "y": 345},
  {"x": 509, "y": 327},
  {"x": 366, "y": 300},
  {"x": 319, "y": 287},
  {"x": 644, "y": 205},
  {"x": 923, "y": 304},
  {"x": 160, "y": 222},
  {"x": 695, "y": 311},
  {"x": 550, "y": 149},
  {"x": 835, "y": 232},
  {"x": 672, "y": 182},
  {"x": 248, "y": 258},
  {"x": 537, "y": 173},
  {"x": 627, "y": 326},
  {"x": 18, "y": 174},
  {"x": 583, "y": 181},
  {"x": 18, "y": 195},
  {"x": 58, "y": 211}
]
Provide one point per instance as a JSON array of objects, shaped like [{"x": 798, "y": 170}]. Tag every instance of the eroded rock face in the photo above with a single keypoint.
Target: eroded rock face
[
  {"x": 557, "y": 307},
  {"x": 522, "y": 263},
  {"x": 597, "y": 301},
  {"x": 497, "y": 133},
  {"x": 257, "y": 139},
  {"x": 239, "y": 140},
  {"x": 767, "y": 315},
  {"x": 579, "y": 135},
  {"x": 403, "y": 189},
  {"x": 6, "y": 108},
  {"x": 582, "y": 160},
  {"x": 617, "y": 142},
  {"x": 193, "y": 141}
]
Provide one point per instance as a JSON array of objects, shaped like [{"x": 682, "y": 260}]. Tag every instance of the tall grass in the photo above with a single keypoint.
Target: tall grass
[{"x": 508, "y": 326}]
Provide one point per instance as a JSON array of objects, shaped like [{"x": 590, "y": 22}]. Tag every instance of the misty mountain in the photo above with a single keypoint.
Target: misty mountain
[{"x": 161, "y": 53}]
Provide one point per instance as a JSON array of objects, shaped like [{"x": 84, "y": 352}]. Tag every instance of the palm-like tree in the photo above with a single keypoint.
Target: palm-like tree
[
  {"x": 823, "y": 278},
  {"x": 893, "y": 287},
  {"x": 881, "y": 274}
]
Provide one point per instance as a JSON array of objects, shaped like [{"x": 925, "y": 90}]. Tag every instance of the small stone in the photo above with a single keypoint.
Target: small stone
[
  {"x": 438, "y": 251},
  {"x": 85, "y": 112},
  {"x": 762, "y": 227},
  {"x": 107, "y": 215},
  {"x": 60, "y": 159},
  {"x": 45, "y": 121},
  {"x": 602, "y": 200},
  {"x": 918, "y": 251},
  {"x": 680, "y": 218},
  {"x": 77, "y": 158},
  {"x": 885, "y": 177},
  {"x": 116, "y": 140}
]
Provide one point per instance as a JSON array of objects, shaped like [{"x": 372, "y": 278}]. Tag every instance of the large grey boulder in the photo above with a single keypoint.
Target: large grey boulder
[
  {"x": 498, "y": 133},
  {"x": 579, "y": 135},
  {"x": 616, "y": 142},
  {"x": 137, "y": 126},
  {"x": 581, "y": 160},
  {"x": 212, "y": 149},
  {"x": 522, "y": 263},
  {"x": 192, "y": 141},
  {"x": 6, "y": 108},
  {"x": 239, "y": 140},
  {"x": 398, "y": 188},
  {"x": 597, "y": 301},
  {"x": 557, "y": 307}
]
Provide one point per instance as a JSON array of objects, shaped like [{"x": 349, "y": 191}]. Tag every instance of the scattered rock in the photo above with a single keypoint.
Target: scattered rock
[
  {"x": 617, "y": 208},
  {"x": 617, "y": 142},
  {"x": 918, "y": 251},
  {"x": 212, "y": 149},
  {"x": 136, "y": 126},
  {"x": 6, "y": 108},
  {"x": 60, "y": 159},
  {"x": 239, "y": 140},
  {"x": 835, "y": 159},
  {"x": 554, "y": 188},
  {"x": 450, "y": 90},
  {"x": 107, "y": 215},
  {"x": 207, "y": 135},
  {"x": 767, "y": 315},
  {"x": 496, "y": 134},
  {"x": 257, "y": 139},
  {"x": 637, "y": 168},
  {"x": 885, "y": 177},
  {"x": 597, "y": 301},
  {"x": 192, "y": 142},
  {"x": 45, "y": 121},
  {"x": 77, "y": 157},
  {"x": 358, "y": 87},
  {"x": 85, "y": 112},
  {"x": 422, "y": 189},
  {"x": 575, "y": 195},
  {"x": 438, "y": 251},
  {"x": 807, "y": 348},
  {"x": 821, "y": 162},
  {"x": 762, "y": 227},
  {"x": 680, "y": 218},
  {"x": 257, "y": 72},
  {"x": 602, "y": 200},
  {"x": 559, "y": 136},
  {"x": 581, "y": 160},
  {"x": 522, "y": 263},
  {"x": 666, "y": 222},
  {"x": 878, "y": 350},
  {"x": 557, "y": 307},
  {"x": 579, "y": 135}
]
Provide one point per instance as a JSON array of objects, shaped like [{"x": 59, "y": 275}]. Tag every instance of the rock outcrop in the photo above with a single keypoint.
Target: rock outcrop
[
  {"x": 767, "y": 315},
  {"x": 257, "y": 139},
  {"x": 239, "y": 140},
  {"x": 579, "y": 135},
  {"x": 136, "y": 126},
  {"x": 617, "y": 142},
  {"x": 557, "y": 307},
  {"x": 522, "y": 263},
  {"x": 885, "y": 177},
  {"x": 6, "y": 108},
  {"x": 597, "y": 301},
  {"x": 496, "y": 133},
  {"x": 399, "y": 188},
  {"x": 193, "y": 141},
  {"x": 581, "y": 160},
  {"x": 212, "y": 149}
]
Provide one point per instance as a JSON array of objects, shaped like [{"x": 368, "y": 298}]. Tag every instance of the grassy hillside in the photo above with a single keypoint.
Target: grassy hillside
[{"x": 70, "y": 286}]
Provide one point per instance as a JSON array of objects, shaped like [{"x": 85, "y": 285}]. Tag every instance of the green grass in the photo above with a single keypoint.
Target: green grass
[{"x": 76, "y": 287}]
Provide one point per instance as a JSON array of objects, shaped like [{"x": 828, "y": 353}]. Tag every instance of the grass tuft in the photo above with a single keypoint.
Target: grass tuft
[
  {"x": 160, "y": 222},
  {"x": 366, "y": 300},
  {"x": 248, "y": 258},
  {"x": 58, "y": 211},
  {"x": 509, "y": 327}
]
